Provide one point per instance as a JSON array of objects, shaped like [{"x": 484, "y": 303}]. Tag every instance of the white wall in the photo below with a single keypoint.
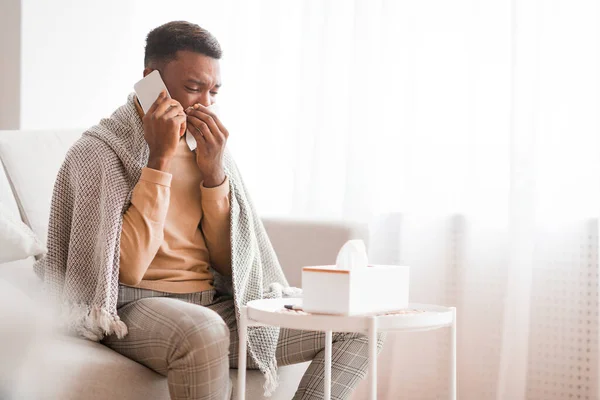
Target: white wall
[
  {"x": 10, "y": 66},
  {"x": 79, "y": 61}
]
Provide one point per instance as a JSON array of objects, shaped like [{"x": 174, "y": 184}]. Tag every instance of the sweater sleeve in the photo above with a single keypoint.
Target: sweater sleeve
[
  {"x": 215, "y": 225},
  {"x": 143, "y": 225}
]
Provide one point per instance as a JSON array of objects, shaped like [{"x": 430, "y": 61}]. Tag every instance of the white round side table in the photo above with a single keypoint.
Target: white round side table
[{"x": 418, "y": 317}]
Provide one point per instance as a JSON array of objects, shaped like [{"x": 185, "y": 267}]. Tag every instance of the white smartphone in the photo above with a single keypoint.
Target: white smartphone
[{"x": 148, "y": 89}]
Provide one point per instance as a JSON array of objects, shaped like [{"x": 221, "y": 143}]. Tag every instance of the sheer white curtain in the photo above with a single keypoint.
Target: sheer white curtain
[{"x": 467, "y": 134}]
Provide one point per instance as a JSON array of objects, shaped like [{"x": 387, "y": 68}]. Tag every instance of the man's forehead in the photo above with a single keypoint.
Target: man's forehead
[{"x": 198, "y": 67}]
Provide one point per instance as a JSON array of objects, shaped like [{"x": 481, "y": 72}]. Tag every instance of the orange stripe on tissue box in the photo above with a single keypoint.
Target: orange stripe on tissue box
[{"x": 373, "y": 289}]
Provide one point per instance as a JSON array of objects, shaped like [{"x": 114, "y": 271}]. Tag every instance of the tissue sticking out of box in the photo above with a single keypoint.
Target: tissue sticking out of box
[{"x": 352, "y": 255}]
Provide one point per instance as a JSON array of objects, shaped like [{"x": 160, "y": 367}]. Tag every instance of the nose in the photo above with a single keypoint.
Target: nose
[{"x": 204, "y": 99}]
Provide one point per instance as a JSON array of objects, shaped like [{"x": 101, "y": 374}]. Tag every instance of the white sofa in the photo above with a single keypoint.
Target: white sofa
[{"x": 87, "y": 370}]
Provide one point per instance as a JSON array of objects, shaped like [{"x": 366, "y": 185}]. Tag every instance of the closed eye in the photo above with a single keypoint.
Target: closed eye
[{"x": 192, "y": 89}]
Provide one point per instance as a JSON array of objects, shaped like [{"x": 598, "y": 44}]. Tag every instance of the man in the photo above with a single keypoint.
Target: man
[{"x": 143, "y": 226}]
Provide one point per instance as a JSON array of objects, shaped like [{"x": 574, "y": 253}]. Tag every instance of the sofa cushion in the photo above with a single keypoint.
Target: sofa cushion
[
  {"x": 32, "y": 160},
  {"x": 64, "y": 367},
  {"x": 71, "y": 368},
  {"x": 17, "y": 241},
  {"x": 18, "y": 332},
  {"x": 20, "y": 275}
]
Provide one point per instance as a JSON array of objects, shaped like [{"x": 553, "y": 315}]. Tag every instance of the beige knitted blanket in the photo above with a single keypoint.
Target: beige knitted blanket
[{"x": 91, "y": 194}]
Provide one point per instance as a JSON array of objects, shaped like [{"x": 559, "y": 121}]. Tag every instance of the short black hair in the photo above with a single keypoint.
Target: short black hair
[{"x": 163, "y": 43}]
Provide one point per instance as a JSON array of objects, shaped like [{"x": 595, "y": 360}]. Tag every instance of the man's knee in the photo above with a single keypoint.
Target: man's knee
[{"x": 205, "y": 335}]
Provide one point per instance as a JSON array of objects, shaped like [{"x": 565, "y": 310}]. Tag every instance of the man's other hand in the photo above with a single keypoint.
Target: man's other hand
[{"x": 211, "y": 137}]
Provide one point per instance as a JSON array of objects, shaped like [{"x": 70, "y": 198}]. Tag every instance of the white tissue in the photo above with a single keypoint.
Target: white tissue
[
  {"x": 189, "y": 138},
  {"x": 352, "y": 255}
]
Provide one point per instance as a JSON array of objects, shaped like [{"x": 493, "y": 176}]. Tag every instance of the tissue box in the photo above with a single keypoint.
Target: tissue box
[{"x": 369, "y": 290}]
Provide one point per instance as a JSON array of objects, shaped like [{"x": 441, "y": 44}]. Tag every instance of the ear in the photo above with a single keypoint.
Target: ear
[{"x": 147, "y": 71}]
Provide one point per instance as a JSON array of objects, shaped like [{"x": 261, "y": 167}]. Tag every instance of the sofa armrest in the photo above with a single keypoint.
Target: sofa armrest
[{"x": 300, "y": 243}]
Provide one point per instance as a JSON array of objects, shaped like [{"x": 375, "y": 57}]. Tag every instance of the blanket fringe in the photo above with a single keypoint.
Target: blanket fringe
[
  {"x": 271, "y": 379},
  {"x": 93, "y": 323},
  {"x": 277, "y": 290}
]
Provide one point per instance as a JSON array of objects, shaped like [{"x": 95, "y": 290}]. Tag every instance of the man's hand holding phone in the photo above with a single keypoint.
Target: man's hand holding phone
[
  {"x": 164, "y": 124},
  {"x": 211, "y": 137}
]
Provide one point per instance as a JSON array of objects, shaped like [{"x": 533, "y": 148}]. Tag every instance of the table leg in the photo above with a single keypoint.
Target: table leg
[
  {"x": 327, "y": 383},
  {"x": 453, "y": 356},
  {"x": 242, "y": 354},
  {"x": 373, "y": 358}
]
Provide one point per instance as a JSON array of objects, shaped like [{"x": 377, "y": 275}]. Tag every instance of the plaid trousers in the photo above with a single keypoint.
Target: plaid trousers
[{"x": 192, "y": 339}]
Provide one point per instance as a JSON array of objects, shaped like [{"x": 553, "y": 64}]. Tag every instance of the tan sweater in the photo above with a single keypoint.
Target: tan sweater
[{"x": 175, "y": 229}]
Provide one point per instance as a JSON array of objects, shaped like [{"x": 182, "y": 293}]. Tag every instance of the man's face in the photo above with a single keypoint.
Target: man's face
[{"x": 192, "y": 78}]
